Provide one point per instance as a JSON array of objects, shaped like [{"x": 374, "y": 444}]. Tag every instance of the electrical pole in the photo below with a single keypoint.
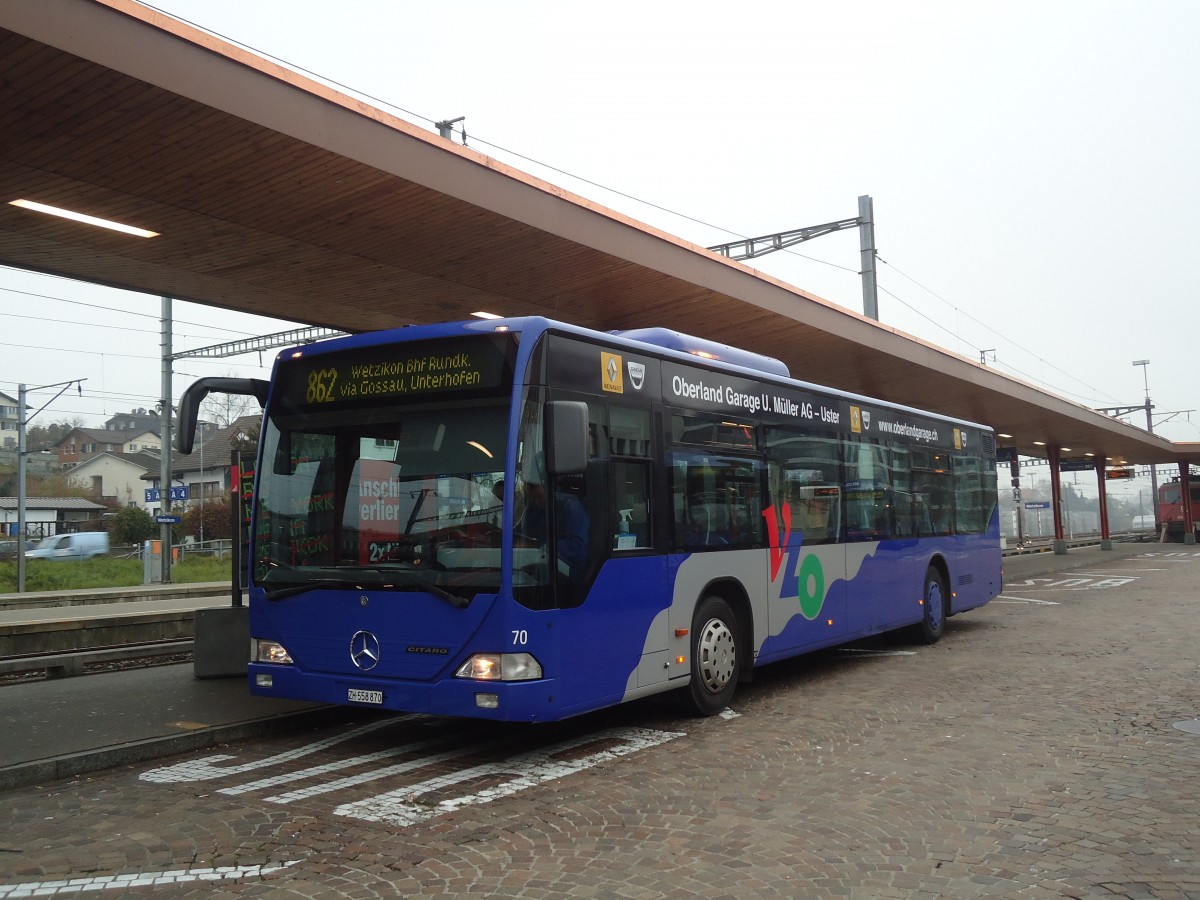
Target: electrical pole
[
  {"x": 866, "y": 243},
  {"x": 21, "y": 488},
  {"x": 1145, "y": 364},
  {"x": 164, "y": 493},
  {"x": 446, "y": 128},
  {"x": 1149, "y": 407},
  {"x": 749, "y": 248},
  {"x": 22, "y": 422}
]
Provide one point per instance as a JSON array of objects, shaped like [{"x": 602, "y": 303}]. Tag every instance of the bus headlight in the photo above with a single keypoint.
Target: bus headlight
[
  {"x": 500, "y": 667},
  {"x": 271, "y": 652}
]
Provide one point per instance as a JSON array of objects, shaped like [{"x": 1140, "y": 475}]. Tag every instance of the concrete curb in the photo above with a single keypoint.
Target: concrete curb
[
  {"x": 73, "y": 764},
  {"x": 40, "y": 599}
]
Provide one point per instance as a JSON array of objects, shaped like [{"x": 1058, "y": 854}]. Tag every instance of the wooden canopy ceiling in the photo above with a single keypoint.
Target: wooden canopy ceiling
[{"x": 276, "y": 195}]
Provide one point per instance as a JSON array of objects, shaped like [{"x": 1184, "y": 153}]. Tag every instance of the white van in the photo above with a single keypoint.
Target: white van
[{"x": 83, "y": 545}]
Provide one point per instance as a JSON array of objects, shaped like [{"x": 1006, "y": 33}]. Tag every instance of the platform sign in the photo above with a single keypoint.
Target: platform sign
[
  {"x": 168, "y": 520},
  {"x": 1076, "y": 464},
  {"x": 1037, "y": 504},
  {"x": 1006, "y": 454},
  {"x": 1119, "y": 472},
  {"x": 178, "y": 492}
]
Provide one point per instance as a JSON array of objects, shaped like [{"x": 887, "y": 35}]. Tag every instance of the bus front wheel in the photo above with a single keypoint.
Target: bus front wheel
[
  {"x": 934, "y": 608},
  {"x": 714, "y": 657}
]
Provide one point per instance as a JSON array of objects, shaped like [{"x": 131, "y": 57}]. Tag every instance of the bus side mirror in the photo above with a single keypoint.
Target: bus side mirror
[
  {"x": 566, "y": 437},
  {"x": 189, "y": 403}
]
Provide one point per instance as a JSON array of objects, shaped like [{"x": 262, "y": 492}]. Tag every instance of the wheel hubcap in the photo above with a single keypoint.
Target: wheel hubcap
[
  {"x": 936, "y": 606},
  {"x": 717, "y": 655}
]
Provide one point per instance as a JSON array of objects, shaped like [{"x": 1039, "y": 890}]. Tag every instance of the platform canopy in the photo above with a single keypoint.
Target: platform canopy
[{"x": 274, "y": 194}]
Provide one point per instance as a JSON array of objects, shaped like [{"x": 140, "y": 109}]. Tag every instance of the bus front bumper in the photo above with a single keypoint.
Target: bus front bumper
[{"x": 510, "y": 701}]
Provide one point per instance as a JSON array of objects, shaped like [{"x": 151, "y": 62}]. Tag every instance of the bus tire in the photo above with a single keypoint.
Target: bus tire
[
  {"x": 934, "y": 606},
  {"x": 715, "y": 661}
]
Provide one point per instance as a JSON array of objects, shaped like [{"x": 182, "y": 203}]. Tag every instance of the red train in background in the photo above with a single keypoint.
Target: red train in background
[{"x": 1170, "y": 506}]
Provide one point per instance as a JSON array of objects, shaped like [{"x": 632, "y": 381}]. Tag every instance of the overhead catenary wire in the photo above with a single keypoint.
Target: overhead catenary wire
[{"x": 989, "y": 328}]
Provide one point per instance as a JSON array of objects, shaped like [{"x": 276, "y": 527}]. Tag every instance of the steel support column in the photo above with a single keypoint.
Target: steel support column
[
  {"x": 1054, "y": 456},
  {"x": 1185, "y": 487},
  {"x": 1102, "y": 490}
]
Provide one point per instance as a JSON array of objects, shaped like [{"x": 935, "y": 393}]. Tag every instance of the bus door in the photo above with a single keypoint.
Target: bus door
[
  {"x": 806, "y": 528},
  {"x": 603, "y": 584},
  {"x": 883, "y": 523}
]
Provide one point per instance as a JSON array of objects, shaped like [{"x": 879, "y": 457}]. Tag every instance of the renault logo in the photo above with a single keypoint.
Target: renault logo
[{"x": 364, "y": 650}]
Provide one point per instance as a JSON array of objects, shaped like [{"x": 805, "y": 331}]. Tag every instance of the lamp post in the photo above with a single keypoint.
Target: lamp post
[
  {"x": 1145, "y": 364},
  {"x": 22, "y": 423},
  {"x": 201, "y": 489}
]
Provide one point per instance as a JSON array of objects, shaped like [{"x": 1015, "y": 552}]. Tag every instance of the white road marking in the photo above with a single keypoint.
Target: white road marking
[
  {"x": 1136, "y": 574},
  {"x": 1008, "y": 598},
  {"x": 1077, "y": 583},
  {"x": 142, "y": 879},
  {"x": 338, "y": 765},
  {"x": 398, "y": 807},
  {"x": 386, "y": 771},
  {"x": 204, "y": 770},
  {"x": 404, "y": 806}
]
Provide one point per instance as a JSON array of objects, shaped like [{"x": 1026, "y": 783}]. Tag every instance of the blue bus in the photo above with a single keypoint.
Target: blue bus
[{"x": 523, "y": 520}]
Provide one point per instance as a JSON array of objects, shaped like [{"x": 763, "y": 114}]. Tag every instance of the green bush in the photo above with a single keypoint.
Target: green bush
[
  {"x": 104, "y": 572},
  {"x": 132, "y": 525},
  {"x": 216, "y": 514}
]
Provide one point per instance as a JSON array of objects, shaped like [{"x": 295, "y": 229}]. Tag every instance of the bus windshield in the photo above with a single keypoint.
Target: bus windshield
[{"x": 401, "y": 498}]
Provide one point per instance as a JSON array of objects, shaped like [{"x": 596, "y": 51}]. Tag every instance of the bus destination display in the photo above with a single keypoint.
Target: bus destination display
[{"x": 373, "y": 374}]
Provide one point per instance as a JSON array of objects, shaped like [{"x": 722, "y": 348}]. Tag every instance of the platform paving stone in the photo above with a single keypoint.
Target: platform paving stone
[{"x": 1031, "y": 753}]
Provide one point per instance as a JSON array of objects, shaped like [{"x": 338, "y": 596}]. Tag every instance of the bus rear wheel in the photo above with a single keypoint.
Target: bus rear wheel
[
  {"x": 934, "y": 608},
  {"x": 714, "y": 657}
]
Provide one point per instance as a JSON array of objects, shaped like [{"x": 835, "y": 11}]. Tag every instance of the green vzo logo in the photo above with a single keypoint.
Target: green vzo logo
[{"x": 803, "y": 576}]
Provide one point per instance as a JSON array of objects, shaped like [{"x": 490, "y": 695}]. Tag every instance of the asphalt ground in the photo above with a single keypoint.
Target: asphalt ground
[{"x": 1048, "y": 746}]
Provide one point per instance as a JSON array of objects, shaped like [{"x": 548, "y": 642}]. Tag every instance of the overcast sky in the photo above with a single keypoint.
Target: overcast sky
[{"x": 1033, "y": 166}]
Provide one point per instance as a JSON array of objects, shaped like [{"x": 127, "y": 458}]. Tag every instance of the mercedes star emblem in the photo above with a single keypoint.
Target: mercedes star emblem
[{"x": 364, "y": 650}]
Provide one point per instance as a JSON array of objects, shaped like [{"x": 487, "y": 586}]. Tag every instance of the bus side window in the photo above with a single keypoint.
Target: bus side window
[
  {"x": 814, "y": 512},
  {"x": 629, "y": 435},
  {"x": 806, "y": 480},
  {"x": 717, "y": 500},
  {"x": 631, "y": 504}
]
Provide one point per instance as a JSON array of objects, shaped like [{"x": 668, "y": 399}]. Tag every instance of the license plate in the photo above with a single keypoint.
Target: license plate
[{"x": 354, "y": 695}]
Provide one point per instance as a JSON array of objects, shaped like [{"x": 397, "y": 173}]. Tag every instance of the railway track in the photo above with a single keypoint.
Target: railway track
[
  {"x": 63, "y": 664},
  {"x": 59, "y": 634}
]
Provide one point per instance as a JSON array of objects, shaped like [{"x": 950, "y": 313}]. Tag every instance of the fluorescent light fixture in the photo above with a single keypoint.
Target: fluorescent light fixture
[
  {"x": 80, "y": 217},
  {"x": 486, "y": 315},
  {"x": 1040, "y": 443},
  {"x": 1001, "y": 434},
  {"x": 1065, "y": 449}
]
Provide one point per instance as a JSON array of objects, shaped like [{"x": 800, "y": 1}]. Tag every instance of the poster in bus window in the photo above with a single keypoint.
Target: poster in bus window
[
  {"x": 378, "y": 513},
  {"x": 242, "y": 477}
]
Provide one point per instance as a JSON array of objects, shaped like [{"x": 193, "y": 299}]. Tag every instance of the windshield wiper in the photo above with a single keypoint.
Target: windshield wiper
[
  {"x": 293, "y": 590},
  {"x": 408, "y": 578},
  {"x": 441, "y": 593}
]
